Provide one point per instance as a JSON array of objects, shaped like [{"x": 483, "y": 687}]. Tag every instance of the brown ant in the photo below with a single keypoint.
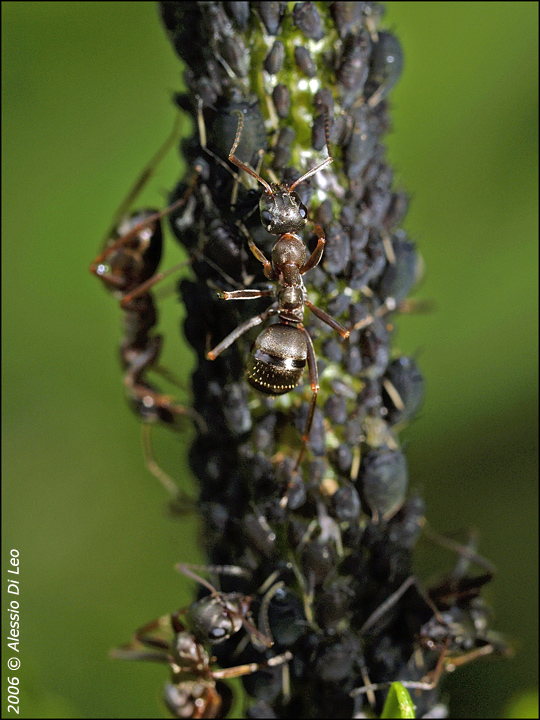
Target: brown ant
[
  {"x": 193, "y": 692},
  {"x": 279, "y": 354},
  {"x": 458, "y": 629},
  {"x": 127, "y": 267}
]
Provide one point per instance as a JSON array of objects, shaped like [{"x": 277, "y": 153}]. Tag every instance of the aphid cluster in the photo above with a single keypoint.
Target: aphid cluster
[{"x": 303, "y": 482}]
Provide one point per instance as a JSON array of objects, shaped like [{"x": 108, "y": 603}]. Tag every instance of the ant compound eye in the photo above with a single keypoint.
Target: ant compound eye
[
  {"x": 303, "y": 211},
  {"x": 266, "y": 217},
  {"x": 217, "y": 634}
]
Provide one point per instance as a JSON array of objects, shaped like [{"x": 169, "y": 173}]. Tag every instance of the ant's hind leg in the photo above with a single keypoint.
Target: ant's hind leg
[{"x": 314, "y": 381}]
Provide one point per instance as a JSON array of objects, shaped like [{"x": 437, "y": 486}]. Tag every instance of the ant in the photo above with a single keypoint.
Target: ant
[
  {"x": 458, "y": 628},
  {"x": 216, "y": 617},
  {"x": 279, "y": 354},
  {"x": 193, "y": 692},
  {"x": 127, "y": 267}
]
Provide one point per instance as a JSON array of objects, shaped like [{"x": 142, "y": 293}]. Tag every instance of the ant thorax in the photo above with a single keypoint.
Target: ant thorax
[{"x": 288, "y": 258}]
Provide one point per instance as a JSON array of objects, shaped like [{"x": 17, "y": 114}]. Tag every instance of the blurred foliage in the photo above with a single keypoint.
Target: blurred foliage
[
  {"x": 523, "y": 705},
  {"x": 398, "y": 703},
  {"x": 86, "y": 102}
]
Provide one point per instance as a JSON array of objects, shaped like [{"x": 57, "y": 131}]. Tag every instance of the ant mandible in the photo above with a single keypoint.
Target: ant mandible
[{"x": 279, "y": 354}]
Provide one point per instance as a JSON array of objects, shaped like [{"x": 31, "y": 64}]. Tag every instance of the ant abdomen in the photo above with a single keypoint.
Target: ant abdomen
[{"x": 277, "y": 359}]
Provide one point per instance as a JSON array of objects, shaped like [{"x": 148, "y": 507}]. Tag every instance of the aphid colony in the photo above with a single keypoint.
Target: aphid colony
[{"x": 310, "y": 541}]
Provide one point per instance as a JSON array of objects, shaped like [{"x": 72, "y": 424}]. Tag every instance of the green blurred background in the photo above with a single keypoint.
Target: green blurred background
[{"x": 86, "y": 102}]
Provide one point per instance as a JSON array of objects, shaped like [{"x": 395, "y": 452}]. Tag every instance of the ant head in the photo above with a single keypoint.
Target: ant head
[
  {"x": 215, "y": 619},
  {"x": 282, "y": 211},
  {"x": 281, "y": 208}
]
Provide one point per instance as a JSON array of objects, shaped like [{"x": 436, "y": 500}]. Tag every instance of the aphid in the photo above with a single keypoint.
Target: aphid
[
  {"x": 273, "y": 62},
  {"x": 280, "y": 352},
  {"x": 271, "y": 14},
  {"x": 194, "y": 690},
  {"x": 385, "y": 69},
  {"x": 282, "y": 100},
  {"x": 383, "y": 482},
  {"x": 354, "y": 66},
  {"x": 403, "y": 389},
  {"x": 307, "y": 19},
  {"x": 304, "y": 61}
]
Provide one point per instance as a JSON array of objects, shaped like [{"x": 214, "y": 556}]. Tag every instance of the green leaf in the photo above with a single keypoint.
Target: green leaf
[{"x": 398, "y": 703}]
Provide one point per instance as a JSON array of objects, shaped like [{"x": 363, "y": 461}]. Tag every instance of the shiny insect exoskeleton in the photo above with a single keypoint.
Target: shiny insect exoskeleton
[
  {"x": 451, "y": 617},
  {"x": 280, "y": 353},
  {"x": 195, "y": 690},
  {"x": 214, "y": 618},
  {"x": 127, "y": 267}
]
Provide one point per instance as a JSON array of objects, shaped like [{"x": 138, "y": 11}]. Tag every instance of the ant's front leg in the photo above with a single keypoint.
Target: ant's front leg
[
  {"x": 249, "y": 668},
  {"x": 148, "y": 643},
  {"x": 316, "y": 255},
  {"x": 268, "y": 270}
]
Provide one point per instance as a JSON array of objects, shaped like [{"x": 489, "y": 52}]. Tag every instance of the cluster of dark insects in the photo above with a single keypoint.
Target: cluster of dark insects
[{"x": 318, "y": 609}]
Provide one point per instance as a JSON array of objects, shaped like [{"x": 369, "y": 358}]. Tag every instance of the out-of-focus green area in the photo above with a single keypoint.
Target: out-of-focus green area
[{"x": 86, "y": 101}]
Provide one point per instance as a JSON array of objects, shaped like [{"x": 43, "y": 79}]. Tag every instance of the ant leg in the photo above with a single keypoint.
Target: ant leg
[
  {"x": 467, "y": 552},
  {"x": 329, "y": 320},
  {"x": 151, "y": 399},
  {"x": 145, "y": 286},
  {"x": 450, "y": 664},
  {"x": 261, "y": 257},
  {"x": 190, "y": 574},
  {"x": 314, "y": 381},
  {"x": 249, "y": 668},
  {"x": 168, "y": 483},
  {"x": 144, "y": 638},
  {"x": 316, "y": 255},
  {"x": 240, "y": 330},
  {"x": 390, "y": 601},
  {"x": 145, "y": 176},
  {"x": 232, "y": 570},
  {"x": 245, "y": 294}
]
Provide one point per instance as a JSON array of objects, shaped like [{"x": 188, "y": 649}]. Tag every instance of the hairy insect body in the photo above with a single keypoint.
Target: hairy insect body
[
  {"x": 277, "y": 359},
  {"x": 279, "y": 354},
  {"x": 282, "y": 351}
]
